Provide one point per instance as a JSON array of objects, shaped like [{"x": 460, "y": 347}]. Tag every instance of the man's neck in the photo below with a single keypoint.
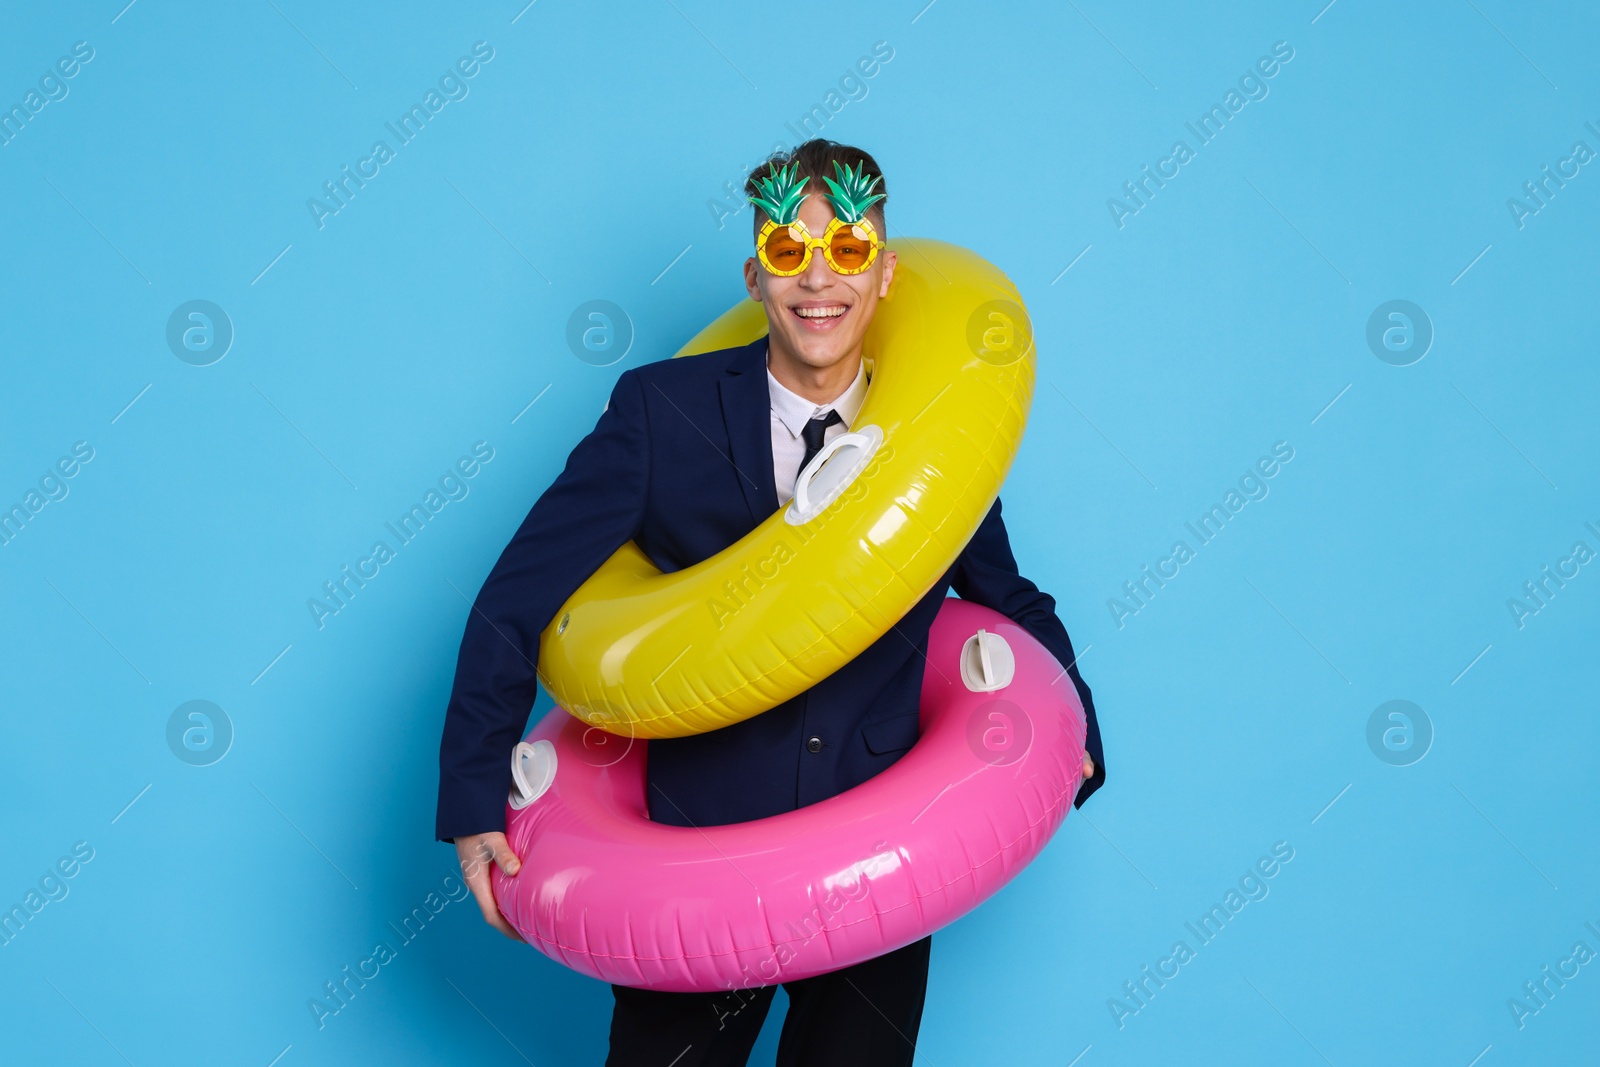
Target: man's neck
[{"x": 817, "y": 384}]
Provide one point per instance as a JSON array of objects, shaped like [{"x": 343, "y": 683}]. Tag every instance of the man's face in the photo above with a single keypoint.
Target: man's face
[{"x": 820, "y": 316}]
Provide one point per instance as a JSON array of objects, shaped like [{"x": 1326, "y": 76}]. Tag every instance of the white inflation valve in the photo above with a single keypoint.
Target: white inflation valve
[{"x": 987, "y": 663}]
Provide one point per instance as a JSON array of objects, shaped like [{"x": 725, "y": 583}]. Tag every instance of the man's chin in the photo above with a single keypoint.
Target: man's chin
[{"x": 819, "y": 351}]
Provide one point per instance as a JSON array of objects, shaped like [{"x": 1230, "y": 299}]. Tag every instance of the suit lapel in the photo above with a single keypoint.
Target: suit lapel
[{"x": 747, "y": 415}]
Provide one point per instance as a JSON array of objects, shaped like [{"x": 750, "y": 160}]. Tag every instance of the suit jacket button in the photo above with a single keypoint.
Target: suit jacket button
[{"x": 814, "y": 745}]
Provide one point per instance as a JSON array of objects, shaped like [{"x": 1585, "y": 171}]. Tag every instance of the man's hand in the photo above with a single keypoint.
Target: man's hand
[
  {"x": 476, "y": 852},
  {"x": 1088, "y": 767}
]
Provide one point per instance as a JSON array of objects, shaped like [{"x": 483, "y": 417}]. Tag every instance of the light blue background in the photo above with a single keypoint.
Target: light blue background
[{"x": 1227, "y": 315}]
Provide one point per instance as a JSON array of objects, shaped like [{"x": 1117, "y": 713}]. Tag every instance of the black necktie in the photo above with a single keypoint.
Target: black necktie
[{"x": 812, "y": 432}]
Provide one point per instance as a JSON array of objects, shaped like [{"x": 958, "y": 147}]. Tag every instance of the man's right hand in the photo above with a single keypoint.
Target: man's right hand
[{"x": 476, "y": 852}]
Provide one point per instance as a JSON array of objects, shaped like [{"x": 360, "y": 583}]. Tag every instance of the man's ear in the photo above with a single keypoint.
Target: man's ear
[
  {"x": 889, "y": 260},
  {"x": 751, "y": 285}
]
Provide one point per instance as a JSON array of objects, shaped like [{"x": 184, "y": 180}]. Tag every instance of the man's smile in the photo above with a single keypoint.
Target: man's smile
[{"x": 819, "y": 316}]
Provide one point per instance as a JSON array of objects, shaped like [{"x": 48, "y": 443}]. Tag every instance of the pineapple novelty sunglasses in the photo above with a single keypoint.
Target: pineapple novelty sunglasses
[
  {"x": 850, "y": 243},
  {"x": 849, "y": 247}
]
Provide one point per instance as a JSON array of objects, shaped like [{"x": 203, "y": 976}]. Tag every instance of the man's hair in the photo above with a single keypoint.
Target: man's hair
[{"x": 814, "y": 161}]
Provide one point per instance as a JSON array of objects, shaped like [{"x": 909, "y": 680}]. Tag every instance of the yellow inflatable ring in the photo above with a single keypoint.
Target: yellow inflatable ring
[{"x": 951, "y": 357}]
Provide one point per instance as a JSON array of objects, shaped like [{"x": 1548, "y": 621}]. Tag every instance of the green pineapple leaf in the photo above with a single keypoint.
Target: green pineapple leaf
[
  {"x": 852, "y": 194},
  {"x": 782, "y": 192}
]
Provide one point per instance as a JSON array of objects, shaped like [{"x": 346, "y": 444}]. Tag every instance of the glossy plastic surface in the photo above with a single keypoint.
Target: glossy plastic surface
[
  {"x": 612, "y": 895},
  {"x": 644, "y": 654}
]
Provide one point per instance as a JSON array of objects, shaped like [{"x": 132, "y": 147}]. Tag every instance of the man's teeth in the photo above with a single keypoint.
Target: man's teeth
[{"x": 821, "y": 313}]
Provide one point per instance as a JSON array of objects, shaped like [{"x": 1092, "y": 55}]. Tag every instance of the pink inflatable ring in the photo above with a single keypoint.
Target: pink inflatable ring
[{"x": 612, "y": 895}]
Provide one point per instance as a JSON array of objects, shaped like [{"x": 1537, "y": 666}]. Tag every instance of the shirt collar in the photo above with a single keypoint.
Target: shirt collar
[{"x": 794, "y": 410}]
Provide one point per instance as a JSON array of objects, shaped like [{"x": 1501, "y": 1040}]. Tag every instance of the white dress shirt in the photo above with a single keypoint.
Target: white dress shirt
[{"x": 791, "y": 412}]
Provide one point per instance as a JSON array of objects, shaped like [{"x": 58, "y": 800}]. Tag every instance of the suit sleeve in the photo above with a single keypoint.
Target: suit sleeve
[
  {"x": 986, "y": 573},
  {"x": 594, "y": 506}
]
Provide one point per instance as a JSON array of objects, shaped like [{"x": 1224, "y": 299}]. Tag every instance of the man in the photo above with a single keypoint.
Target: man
[{"x": 689, "y": 456}]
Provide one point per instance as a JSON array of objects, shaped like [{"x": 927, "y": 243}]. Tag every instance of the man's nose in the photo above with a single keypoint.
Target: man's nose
[{"x": 816, "y": 274}]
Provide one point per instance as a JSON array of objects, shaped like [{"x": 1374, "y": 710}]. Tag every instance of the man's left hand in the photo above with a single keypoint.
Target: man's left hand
[{"x": 1088, "y": 767}]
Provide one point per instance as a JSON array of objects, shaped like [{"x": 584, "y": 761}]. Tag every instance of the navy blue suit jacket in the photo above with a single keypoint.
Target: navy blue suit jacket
[{"x": 681, "y": 463}]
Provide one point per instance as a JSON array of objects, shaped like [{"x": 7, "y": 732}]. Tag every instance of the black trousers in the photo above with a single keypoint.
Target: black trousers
[{"x": 866, "y": 1015}]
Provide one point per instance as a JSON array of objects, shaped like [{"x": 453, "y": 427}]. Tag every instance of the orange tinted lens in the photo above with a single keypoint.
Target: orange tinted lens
[
  {"x": 850, "y": 253},
  {"x": 784, "y": 253}
]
